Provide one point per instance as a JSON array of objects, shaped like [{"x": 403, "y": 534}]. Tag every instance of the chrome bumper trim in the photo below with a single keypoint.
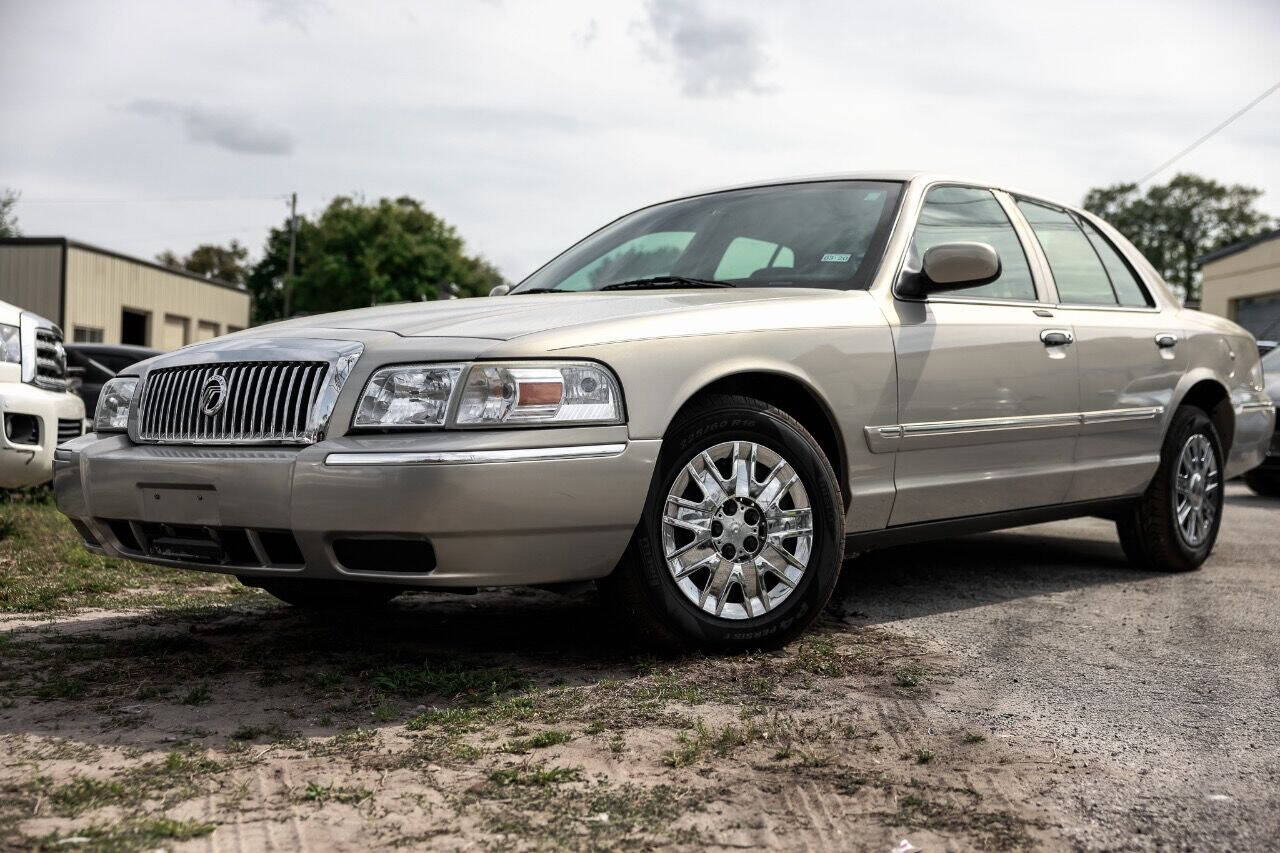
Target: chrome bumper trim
[
  {"x": 471, "y": 457},
  {"x": 1255, "y": 406}
]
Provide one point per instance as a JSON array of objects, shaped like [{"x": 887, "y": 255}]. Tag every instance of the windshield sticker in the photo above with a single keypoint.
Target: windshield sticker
[{"x": 835, "y": 258}]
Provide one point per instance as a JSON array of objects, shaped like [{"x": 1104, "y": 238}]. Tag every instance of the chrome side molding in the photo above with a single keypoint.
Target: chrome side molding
[
  {"x": 917, "y": 436},
  {"x": 473, "y": 457}
]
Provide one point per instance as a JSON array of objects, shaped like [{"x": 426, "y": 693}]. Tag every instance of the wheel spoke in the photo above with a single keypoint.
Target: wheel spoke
[
  {"x": 717, "y": 586},
  {"x": 706, "y": 561}
]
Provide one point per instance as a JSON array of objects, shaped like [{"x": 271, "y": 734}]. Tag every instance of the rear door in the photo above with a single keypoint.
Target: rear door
[
  {"x": 987, "y": 409},
  {"x": 1129, "y": 352}
]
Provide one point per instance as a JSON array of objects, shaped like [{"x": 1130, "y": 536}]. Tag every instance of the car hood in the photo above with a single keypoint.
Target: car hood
[{"x": 505, "y": 317}]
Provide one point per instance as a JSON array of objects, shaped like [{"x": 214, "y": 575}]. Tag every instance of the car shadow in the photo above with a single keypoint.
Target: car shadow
[
  {"x": 971, "y": 571},
  {"x": 146, "y": 679}
]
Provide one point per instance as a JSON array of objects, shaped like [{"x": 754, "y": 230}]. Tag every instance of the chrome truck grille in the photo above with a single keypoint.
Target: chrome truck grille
[
  {"x": 51, "y": 361},
  {"x": 243, "y": 402}
]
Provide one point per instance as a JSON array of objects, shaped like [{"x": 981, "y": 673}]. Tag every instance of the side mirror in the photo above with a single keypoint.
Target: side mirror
[
  {"x": 500, "y": 290},
  {"x": 953, "y": 266}
]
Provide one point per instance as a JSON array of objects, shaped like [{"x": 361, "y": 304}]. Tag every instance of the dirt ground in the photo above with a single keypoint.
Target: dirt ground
[{"x": 1016, "y": 690}]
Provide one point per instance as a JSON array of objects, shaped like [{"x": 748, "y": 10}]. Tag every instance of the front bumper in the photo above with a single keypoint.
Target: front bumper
[
  {"x": 563, "y": 515},
  {"x": 24, "y": 464}
]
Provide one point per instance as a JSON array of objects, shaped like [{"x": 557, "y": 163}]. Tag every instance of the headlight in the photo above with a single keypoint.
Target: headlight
[
  {"x": 10, "y": 344},
  {"x": 500, "y": 394},
  {"x": 114, "y": 404},
  {"x": 533, "y": 393},
  {"x": 409, "y": 396}
]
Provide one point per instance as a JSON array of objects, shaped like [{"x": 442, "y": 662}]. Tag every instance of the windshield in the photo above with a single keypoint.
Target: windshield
[{"x": 823, "y": 234}]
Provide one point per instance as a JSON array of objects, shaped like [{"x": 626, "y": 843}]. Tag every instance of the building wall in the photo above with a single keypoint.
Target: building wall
[
  {"x": 31, "y": 278},
  {"x": 180, "y": 309},
  {"x": 1250, "y": 273}
]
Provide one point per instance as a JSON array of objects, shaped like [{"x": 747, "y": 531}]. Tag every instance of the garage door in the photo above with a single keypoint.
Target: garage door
[
  {"x": 176, "y": 330},
  {"x": 1260, "y": 315},
  {"x": 206, "y": 330}
]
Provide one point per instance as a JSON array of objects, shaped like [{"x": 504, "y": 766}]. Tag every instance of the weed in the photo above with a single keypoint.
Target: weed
[
  {"x": 198, "y": 695},
  {"x": 974, "y": 737},
  {"x": 332, "y": 793},
  {"x": 539, "y": 741},
  {"x": 910, "y": 675},
  {"x": 533, "y": 775}
]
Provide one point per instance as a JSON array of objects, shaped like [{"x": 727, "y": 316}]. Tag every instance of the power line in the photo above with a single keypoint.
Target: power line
[
  {"x": 1193, "y": 146},
  {"x": 278, "y": 197}
]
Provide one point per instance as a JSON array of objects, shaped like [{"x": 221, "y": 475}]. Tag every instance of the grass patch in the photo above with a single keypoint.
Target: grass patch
[
  {"x": 451, "y": 679},
  {"x": 910, "y": 675},
  {"x": 992, "y": 830},
  {"x": 533, "y": 775},
  {"x": 692, "y": 748},
  {"x": 38, "y": 537},
  {"x": 541, "y": 740},
  {"x": 321, "y": 794},
  {"x": 137, "y": 834}
]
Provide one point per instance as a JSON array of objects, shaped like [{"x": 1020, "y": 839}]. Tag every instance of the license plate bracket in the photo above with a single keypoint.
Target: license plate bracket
[{"x": 184, "y": 504}]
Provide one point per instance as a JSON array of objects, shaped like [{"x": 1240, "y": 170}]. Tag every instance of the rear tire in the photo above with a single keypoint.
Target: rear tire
[
  {"x": 758, "y": 586},
  {"x": 326, "y": 595},
  {"x": 1173, "y": 526},
  {"x": 1267, "y": 485}
]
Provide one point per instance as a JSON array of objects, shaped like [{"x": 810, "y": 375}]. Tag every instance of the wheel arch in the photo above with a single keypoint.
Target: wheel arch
[
  {"x": 1210, "y": 395},
  {"x": 793, "y": 395}
]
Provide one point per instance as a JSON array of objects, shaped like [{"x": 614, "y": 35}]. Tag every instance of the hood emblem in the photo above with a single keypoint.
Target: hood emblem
[{"x": 214, "y": 394}]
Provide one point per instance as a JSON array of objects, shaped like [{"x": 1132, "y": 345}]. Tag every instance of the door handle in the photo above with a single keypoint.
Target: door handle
[
  {"x": 1165, "y": 340},
  {"x": 1057, "y": 337}
]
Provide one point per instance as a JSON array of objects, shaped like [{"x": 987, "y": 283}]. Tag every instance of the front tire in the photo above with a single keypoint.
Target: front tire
[
  {"x": 742, "y": 536},
  {"x": 326, "y": 595},
  {"x": 1173, "y": 526}
]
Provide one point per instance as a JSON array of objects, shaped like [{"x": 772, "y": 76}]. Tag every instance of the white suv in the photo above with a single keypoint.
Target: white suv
[{"x": 37, "y": 407}]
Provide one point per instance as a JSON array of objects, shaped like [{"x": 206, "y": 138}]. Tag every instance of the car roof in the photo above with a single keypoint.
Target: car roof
[{"x": 900, "y": 175}]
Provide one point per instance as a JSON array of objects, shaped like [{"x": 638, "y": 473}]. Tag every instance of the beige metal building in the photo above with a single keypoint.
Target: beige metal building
[
  {"x": 97, "y": 295},
  {"x": 1242, "y": 282}
]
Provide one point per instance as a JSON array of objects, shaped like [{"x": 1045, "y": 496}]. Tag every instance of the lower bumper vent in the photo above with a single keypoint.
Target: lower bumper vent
[
  {"x": 398, "y": 556},
  {"x": 218, "y": 546}
]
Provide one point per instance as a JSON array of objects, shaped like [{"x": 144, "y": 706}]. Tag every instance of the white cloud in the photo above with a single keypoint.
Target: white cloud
[
  {"x": 233, "y": 130},
  {"x": 714, "y": 54}
]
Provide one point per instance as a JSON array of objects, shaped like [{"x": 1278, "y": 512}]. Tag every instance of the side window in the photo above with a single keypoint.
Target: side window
[
  {"x": 1077, "y": 270},
  {"x": 952, "y": 214},
  {"x": 646, "y": 255},
  {"x": 1124, "y": 280},
  {"x": 747, "y": 255}
]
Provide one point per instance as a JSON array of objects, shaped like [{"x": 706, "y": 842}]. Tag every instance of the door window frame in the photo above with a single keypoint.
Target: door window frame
[{"x": 1045, "y": 294}]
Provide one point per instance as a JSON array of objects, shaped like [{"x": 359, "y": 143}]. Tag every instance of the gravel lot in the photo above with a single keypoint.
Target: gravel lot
[
  {"x": 1156, "y": 697},
  {"x": 1017, "y": 690}
]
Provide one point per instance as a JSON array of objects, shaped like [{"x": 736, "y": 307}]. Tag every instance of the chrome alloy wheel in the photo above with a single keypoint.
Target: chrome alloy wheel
[
  {"x": 737, "y": 530},
  {"x": 1197, "y": 484}
]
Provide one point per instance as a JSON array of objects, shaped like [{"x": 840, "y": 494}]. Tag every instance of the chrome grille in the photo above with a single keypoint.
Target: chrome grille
[
  {"x": 51, "y": 361},
  {"x": 271, "y": 402},
  {"x": 69, "y": 428}
]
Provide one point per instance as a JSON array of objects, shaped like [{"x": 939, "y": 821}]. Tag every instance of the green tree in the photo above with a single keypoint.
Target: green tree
[
  {"x": 356, "y": 254},
  {"x": 1173, "y": 224},
  {"x": 225, "y": 263},
  {"x": 9, "y": 219}
]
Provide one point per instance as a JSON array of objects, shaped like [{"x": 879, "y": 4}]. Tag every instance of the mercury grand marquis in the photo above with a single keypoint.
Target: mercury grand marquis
[{"x": 703, "y": 407}]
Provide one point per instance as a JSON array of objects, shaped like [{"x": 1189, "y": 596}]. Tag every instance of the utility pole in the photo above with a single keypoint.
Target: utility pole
[{"x": 293, "y": 248}]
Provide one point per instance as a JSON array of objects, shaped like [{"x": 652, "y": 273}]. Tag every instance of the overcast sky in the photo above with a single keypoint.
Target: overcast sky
[{"x": 527, "y": 124}]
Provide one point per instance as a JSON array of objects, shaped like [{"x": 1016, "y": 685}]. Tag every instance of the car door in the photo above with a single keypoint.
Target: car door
[
  {"x": 987, "y": 380},
  {"x": 1127, "y": 346}
]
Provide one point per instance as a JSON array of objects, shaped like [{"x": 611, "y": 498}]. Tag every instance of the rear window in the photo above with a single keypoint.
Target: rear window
[{"x": 1077, "y": 270}]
